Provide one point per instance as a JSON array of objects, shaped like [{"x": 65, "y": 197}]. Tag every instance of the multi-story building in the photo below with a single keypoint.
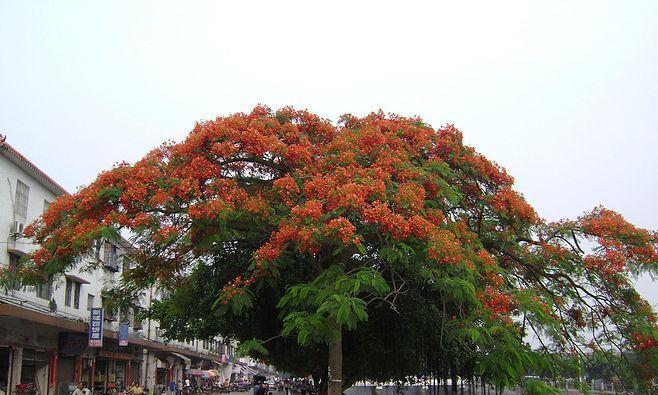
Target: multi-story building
[{"x": 44, "y": 329}]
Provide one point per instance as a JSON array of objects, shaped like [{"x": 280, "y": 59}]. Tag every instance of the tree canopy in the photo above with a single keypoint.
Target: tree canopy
[{"x": 334, "y": 227}]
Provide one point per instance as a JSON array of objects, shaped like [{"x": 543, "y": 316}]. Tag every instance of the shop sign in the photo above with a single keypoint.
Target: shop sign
[
  {"x": 96, "y": 327},
  {"x": 123, "y": 335},
  {"x": 73, "y": 343},
  {"x": 35, "y": 356},
  {"x": 115, "y": 355}
]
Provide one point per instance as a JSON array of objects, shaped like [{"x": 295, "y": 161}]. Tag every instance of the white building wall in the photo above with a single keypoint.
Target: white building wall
[
  {"x": 38, "y": 193},
  {"x": 9, "y": 173},
  {"x": 96, "y": 279}
]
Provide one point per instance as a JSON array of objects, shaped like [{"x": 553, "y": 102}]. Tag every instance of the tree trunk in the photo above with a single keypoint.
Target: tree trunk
[{"x": 335, "y": 384}]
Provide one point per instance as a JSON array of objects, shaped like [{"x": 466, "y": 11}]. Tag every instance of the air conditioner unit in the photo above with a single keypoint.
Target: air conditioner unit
[{"x": 17, "y": 228}]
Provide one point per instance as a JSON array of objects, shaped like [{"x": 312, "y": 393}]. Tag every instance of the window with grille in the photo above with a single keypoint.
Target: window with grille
[
  {"x": 111, "y": 258},
  {"x": 20, "y": 204}
]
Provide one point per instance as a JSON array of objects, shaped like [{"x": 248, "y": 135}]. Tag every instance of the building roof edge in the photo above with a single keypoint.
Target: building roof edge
[{"x": 20, "y": 159}]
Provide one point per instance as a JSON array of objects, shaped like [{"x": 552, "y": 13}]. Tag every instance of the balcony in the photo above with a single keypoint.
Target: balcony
[{"x": 18, "y": 247}]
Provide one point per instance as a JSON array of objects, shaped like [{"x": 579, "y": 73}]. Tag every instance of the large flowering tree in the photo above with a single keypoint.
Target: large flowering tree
[{"x": 364, "y": 212}]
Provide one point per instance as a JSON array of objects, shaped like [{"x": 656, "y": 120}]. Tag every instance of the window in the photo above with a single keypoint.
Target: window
[
  {"x": 13, "y": 266},
  {"x": 90, "y": 301},
  {"x": 137, "y": 322},
  {"x": 46, "y": 205},
  {"x": 125, "y": 263},
  {"x": 109, "y": 314},
  {"x": 20, "y": 204},
  {"x": 72, "y": 293},
  {"x": 43, "y": 290},
  {"x": 111, "y": 260},
  {"x": 67, "y": 293},
  {"x": 76, "y": 296},
  {"x": 125, "y": 315}
]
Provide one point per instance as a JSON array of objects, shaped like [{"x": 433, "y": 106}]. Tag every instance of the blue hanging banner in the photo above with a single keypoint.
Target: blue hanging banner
[
  {"x": 96, "y": 327},
  {"x": 123, "y": 335}
]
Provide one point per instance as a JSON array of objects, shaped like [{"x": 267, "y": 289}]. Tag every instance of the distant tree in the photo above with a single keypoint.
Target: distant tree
[{"x": 342, "y": 220}]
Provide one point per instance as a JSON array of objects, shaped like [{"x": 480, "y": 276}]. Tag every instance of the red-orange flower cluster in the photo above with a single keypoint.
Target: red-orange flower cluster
[
  {"x": 496, "y": 301},
  {"x": 643, "y": 342}
]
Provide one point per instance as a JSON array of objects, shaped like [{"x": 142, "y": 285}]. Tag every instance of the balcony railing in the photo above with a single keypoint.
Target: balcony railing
[{"x": 18, "y": 246}]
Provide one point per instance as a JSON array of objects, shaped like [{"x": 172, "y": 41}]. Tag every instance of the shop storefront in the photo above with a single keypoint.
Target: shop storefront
[
  {"x": 115, "y": 370},
  {"x": 75, "y": 361},
  {"x": 35, "y": 369},
  {"x": 26, "y": 353},
  {"x": 104, "y": 370},
  {"x": 4, "y": 368},
  {"x": 52, "y": 354}
]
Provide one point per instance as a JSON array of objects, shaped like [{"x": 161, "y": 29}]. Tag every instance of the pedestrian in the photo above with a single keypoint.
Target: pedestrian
[
  {"x": 172, "y": 387},
  {"x": 79, "y": 389},
  {"x": 179, "y": 388},
  {"x": 85, "y": 388},
  {"x": 135, "y": 389}
]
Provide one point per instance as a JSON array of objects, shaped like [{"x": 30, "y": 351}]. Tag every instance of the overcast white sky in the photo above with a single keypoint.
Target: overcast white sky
[{"x": 564, "y": 94}]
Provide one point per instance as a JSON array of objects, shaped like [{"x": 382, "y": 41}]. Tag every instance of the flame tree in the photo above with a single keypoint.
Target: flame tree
[{"x": 361, "y": 212}]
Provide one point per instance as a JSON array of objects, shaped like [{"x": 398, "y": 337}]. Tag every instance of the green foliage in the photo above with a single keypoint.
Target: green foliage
[
  {"x": 317, "y": 310},
  {"x": 250, "y": 348},
  {"x": 111, "y": 194},
  {"x": 239, "y": 302},
  {"x": 457, "y": 289},
  {"x": 538, "y": 387}
]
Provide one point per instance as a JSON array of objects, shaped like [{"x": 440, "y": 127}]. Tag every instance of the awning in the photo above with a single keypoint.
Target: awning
[
  {"x": 250, "y": 370},
  {"x": 76, "y": 279},
  {"x": 194, "y": 372},
  {"x": 183, "y": 357}
]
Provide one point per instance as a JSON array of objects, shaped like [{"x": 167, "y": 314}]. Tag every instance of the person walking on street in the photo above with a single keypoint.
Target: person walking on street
[
  {"x": 135, "y": 389},
  {"x": 79, "y": 389}
]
